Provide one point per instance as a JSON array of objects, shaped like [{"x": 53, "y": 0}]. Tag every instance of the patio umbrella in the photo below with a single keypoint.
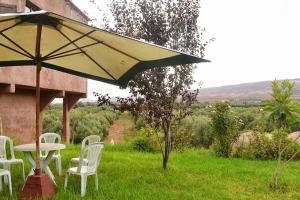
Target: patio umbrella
[{"x": 45, "y": 39}]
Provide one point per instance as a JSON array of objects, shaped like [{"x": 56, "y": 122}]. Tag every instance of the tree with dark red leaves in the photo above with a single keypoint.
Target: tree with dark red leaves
[{"x": 161, "y": 96}]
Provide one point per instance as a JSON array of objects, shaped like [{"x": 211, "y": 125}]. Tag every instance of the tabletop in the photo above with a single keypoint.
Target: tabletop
[{"x": 43, "y": 147}]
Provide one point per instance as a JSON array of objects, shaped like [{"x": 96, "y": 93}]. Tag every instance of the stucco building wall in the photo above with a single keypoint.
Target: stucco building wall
[
  {"x": 17, "y": 84},
  {"x": 62, "y": 7},
  {"x": 18, "y": 116}
]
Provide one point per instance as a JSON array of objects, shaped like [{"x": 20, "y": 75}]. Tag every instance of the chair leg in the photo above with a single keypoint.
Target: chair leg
[
  {"x": 9, "y": 184},
  {"x": 0, "y": 183},
  {"x": 6, "y": 167},
  {"x": 66, "y": 180},
  {"x": 83, "y": 185},
  {"x": 23, "y": 171},
  {"x": 58, "y": 166},
  {"x": 96, "y": 180}
]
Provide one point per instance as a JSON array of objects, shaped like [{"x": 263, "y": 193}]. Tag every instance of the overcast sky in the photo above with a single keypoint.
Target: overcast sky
[{"x": 256, "y": 40}]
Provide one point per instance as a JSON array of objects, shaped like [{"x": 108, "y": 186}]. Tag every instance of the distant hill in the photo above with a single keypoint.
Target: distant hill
[{"x": 256, "y": 91}]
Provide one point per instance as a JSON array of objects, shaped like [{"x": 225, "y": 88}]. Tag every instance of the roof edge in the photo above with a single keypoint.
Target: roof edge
[{"x": 78, "y": 10}]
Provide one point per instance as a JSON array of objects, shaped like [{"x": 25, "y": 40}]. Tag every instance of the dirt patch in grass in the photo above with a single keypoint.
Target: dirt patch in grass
[{"x": 120, "y": 127}]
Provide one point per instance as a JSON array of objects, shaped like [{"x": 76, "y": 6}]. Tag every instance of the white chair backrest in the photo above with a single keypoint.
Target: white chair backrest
[
  {"x": 50, "y": 138},
  {"x": 91, "y": 139},
  {"x": 92, "y": 153},
  {"x": 3, "y": 141}
]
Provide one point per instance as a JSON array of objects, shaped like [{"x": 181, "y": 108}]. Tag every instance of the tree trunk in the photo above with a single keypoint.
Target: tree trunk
[
  {"x": 168, "y": 146},
  {"x": 165, "y": 161},
  {"x": 278, "y": 167},
  {"x": 276, "y": 178}
]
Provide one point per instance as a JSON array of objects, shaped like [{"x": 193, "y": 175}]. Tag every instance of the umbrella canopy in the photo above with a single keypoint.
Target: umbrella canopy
[
  {"x": 50, "y": 40},
  {"x": 76, "y": 48}
]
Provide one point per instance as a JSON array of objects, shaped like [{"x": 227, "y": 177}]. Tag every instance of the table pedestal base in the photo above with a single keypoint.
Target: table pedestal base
[{"x": 38, "y": 186}]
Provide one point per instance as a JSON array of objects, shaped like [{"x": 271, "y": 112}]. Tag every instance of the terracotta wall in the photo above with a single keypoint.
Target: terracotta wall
[
  {"x": 50, "y": 79},
  {"x": 20, "y": 4},
  {"x": 62, "y": 7},
  {"x": 17, "y": 115}
]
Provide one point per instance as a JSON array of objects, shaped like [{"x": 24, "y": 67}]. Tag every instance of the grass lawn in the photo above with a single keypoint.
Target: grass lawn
[{"x": 194, "y": 174}]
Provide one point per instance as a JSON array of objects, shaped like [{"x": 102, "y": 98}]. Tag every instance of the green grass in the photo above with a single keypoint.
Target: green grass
[{"x": 194, "y": 174}]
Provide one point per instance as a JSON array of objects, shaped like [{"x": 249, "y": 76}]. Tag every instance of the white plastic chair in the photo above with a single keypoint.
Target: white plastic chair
[
  {"x": 52, "y": 138},
  {"x": 91, "y": 139},
  {"x": 6, "y": 173},
  {"x": 93, "y": 155},
  {"x": 3, "y": 155}
]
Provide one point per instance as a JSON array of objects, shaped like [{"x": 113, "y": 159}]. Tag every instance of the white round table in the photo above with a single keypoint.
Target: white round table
[{"x": 27, "y": 149}]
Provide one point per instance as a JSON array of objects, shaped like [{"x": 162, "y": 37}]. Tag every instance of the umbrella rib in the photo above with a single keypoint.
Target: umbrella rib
[
  {"x": 61, "y": 56},
  {"x": 94, "y": 61},
  {"x": 26, "y": 52},
  {"x": 126, "y": 54},
  {"x": 16, "y": 24},
  {"x": 15, "y": 50},
  {"x": 130, "y": 56},
  {"x": 58, "y": 54},
  {"x": 11, "y": 26},
  {"x": 5, "y": 20},
  {"x": 70, "y": 42},
  {"x": 3, "y": 30}
]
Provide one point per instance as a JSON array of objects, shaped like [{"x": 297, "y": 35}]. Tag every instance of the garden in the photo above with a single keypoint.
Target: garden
[
  {"x": 208, "y": 161},
  {"x": 194, "y": 174},
  {"x": 171, "y": 145}
]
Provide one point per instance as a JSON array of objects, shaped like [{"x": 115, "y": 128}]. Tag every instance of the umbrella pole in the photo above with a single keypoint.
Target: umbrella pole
[
  {"x": 37, "y": 120},
  {"x": 38, "y": 97},
  {"x": 38, "y": 185}
]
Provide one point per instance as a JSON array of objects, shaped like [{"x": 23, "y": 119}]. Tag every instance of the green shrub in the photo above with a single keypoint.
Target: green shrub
[
  {"x": 142, "y": 144},
  {"x": 84, "y": 124},
  {"x": 225, "y": 129},
  {"x": 139, "y": 123},
  {"x": 262, "y": 147},
  {"x": 295, "y": 126},
  {"x": 181, "y": 139},
  {"x": 199, "y": 130},
  {"x": 52, "y": 121},
  {"x": 290, "y": 146},
  {"x": 259, "y": 124},
  {"x": 245, "y": 118},
  {"x": 85, "y": 120},
  {"x": 149, "y": 135}
]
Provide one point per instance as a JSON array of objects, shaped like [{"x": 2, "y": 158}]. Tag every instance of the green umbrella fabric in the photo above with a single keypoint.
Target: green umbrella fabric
[{"x": 76, "y": 48}]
